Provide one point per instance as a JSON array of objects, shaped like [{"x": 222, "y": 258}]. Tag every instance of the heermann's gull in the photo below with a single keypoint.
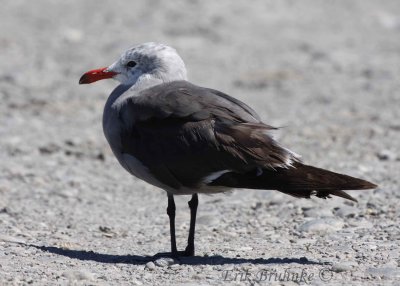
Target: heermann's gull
[{"x": 188, "y": 139}]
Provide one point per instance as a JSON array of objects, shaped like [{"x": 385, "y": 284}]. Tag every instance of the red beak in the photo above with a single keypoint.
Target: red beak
[{"x": 95, "y": 75}]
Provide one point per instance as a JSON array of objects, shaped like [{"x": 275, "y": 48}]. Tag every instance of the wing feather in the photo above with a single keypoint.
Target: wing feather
[{"x": 183, "y": 133}]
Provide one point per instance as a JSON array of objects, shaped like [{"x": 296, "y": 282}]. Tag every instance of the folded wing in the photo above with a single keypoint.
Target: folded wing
[{"x": 184, "y": 134}]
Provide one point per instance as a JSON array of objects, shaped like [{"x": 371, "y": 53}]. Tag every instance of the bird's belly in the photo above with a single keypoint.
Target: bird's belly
[
  {"x": 112, "y": 127},
  {"x": 136, "y": 168}
]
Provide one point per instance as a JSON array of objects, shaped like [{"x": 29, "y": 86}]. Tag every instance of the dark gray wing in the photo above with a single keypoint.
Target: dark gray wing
[
  {"x": 183, "y": 99},
  {"x": 183, "y": 133}
]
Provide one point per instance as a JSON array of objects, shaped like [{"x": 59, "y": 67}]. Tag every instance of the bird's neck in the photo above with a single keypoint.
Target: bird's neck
[
  {"x": 149, "y": 80},
  {"x": 142, "y": 83},
  {"x": 124, "y": 91}
]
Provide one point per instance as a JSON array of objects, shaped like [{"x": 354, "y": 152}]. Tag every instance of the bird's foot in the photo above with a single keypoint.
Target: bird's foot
[
  {"x": 189, "y": 250},
  {"x": 186, "y": 253}
]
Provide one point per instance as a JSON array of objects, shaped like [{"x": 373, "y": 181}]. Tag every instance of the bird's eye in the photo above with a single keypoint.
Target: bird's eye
[{"x": 131, "y": 64}]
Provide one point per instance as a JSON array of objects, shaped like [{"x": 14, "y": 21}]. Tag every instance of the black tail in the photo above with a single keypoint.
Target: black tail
[{"x": 299, "y": 181}]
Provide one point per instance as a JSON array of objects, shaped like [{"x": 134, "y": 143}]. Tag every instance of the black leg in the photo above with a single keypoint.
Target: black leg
[
  {"x": 193, "y": 203},
  {"x": 171, "y": 213}
]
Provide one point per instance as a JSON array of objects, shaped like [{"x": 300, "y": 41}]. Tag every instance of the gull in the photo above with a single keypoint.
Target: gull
[{"x": 187, "y": 139}]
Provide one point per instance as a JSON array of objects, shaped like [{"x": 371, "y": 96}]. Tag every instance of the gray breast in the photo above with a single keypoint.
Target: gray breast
[{"x": 112, "y": 128}]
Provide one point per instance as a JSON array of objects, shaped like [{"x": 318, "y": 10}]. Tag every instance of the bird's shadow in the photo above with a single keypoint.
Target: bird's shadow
[{"x": 141, "y": 260}]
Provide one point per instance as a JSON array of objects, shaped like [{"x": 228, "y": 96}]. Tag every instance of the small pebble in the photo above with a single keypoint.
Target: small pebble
[
  {"x": 386, "y": 155},
  {"x": 339, "y": 267},
  {"x": 150, "y": 265},
  {"x": 164, "y": 262}
]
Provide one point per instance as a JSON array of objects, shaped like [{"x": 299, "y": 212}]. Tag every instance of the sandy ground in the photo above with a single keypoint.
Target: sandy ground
[{"x": 328, "y": 71}]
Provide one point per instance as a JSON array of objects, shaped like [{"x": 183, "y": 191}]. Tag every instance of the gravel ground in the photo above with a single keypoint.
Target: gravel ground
[{"x": 326, "y": 70}]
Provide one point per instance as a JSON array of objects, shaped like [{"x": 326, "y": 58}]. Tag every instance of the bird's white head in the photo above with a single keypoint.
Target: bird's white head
[{"x": 142, "y": 66}]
